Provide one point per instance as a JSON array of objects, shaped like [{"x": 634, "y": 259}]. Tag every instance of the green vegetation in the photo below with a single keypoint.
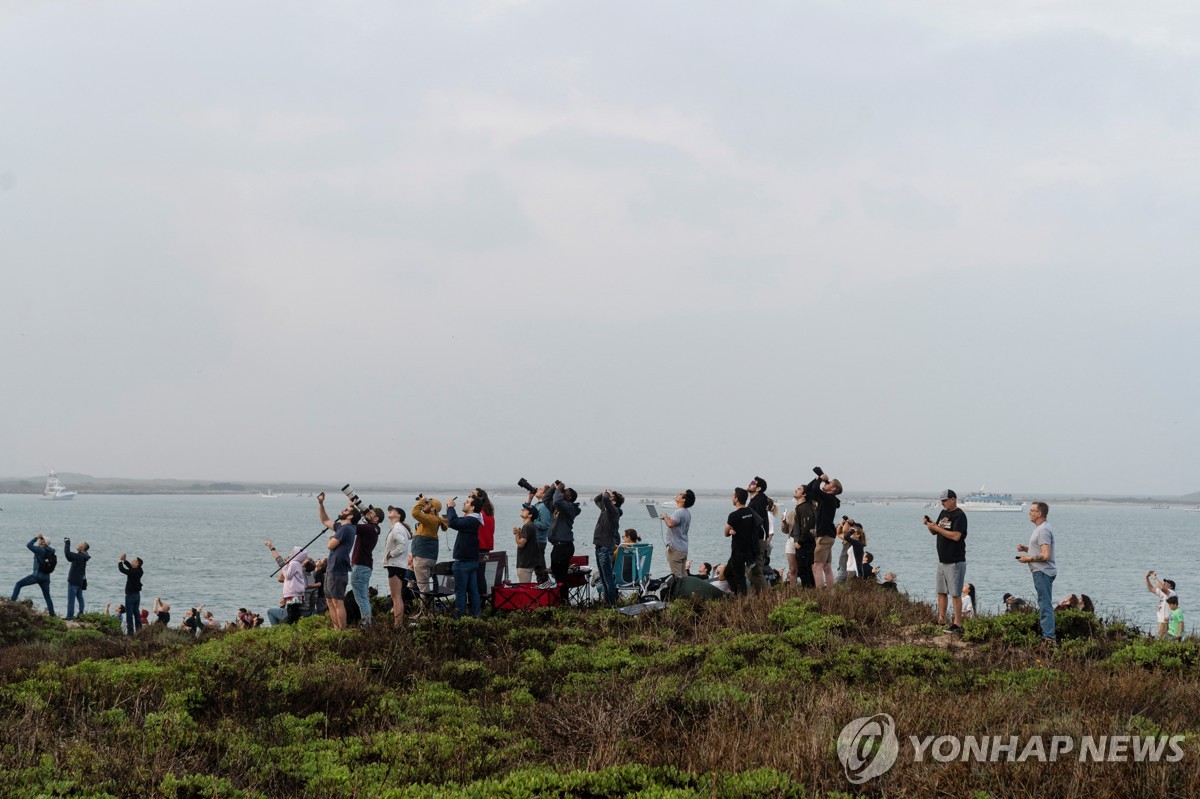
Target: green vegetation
[{"x": 707, "y": 699}]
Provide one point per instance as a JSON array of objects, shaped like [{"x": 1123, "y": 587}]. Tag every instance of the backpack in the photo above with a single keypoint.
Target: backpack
[{"x": 48, "y": 562}]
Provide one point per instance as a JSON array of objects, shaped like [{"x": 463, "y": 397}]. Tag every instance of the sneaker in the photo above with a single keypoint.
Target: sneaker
[
  {"x": 546, "y": 586},
  {"x": 954, "y": 629}
]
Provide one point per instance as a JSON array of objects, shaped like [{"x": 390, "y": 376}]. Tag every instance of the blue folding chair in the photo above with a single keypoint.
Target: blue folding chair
[{"x": 632, "y": 566}]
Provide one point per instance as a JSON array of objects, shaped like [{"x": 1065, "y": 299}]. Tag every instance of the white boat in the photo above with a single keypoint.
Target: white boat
[
  {"x": 984, "y": 500},
  {"x": 270, "y": 495},
  {"x": 55, "y": 489}
]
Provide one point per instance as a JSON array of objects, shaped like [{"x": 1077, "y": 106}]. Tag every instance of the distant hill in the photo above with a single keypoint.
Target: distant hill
[{"x": 87, "y": 484}]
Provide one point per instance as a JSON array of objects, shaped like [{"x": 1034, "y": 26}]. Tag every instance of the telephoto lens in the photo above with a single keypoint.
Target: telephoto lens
[
  {"x": 523, "y": 483},
  {"x": 818, "y": 471},
  {"x": 353, "y": 497}
]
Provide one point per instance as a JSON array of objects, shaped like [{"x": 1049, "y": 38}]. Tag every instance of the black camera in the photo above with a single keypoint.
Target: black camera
[{"x": 525, "y": 484}]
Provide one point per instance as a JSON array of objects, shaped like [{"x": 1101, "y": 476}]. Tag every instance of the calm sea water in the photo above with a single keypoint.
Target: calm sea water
[{"x": 209, "y": 549}]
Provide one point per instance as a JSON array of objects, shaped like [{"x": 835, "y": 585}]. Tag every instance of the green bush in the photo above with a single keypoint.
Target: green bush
[{"x": 1169, "y": 656}]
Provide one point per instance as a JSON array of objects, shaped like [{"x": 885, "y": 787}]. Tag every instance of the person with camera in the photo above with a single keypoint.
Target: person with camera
[
  {"x": 854, "y": 541},
  {"x": 562, "y": 533},
  {"x": 427, "y": 513},
  {"x": 800, "y": 525},
  {"x": 760, "y": 504},
  {"x": 133, "y": 572},
  {"x": 487, "y": 532},
  {"x": 823, "y": 493},
  {"x": 678, "y": 525},
  {"x": 340, "y": 545},
  {"x": 466, "y": 555},
  {"x": 44, "y": 561},
  {"x": 742, "y": 529},
  {"x": 539, "y": 500},
  {"x": 1164, "y": 590},
  {"x": 295, "y": 584},
  {"x": 77, "y": 576},
  {"x": 362, "y": 561},
  {"x": 606, "y": 538},
  {"x": 951, "y": 531},
  {"x": 1039, "y": 555}
]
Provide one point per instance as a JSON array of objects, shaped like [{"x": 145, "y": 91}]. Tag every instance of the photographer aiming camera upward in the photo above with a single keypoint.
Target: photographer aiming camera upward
[
  {"x": 340, "y": 545},
  {"x": 606, "y": 538},
  {"x": 562, "y": 532},
  {"x": 427, "y": 514},
  {"x": 823, "y": 493},
  {"x": 541, "y": 499},
  {"x": 44, "y": 561}
]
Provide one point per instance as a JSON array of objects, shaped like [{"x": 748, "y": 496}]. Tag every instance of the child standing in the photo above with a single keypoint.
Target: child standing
[{"x": 1175, "y": 620}]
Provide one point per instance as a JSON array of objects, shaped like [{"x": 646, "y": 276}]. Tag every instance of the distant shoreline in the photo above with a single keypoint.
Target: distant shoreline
[{"x": 131, "y": 488}]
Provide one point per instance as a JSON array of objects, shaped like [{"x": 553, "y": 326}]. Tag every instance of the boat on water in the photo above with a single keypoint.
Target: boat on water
[
  {"x": 55, "y": 489},
  {"x": 269, "y": 494},
  {"x": 984, "y": 500}
]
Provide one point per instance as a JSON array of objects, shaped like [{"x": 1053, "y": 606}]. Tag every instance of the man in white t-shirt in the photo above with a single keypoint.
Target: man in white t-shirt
[
  {"x": 1039, "y": 554},
  {"x": 678, "y": 524},
  {"x": 1164, "y": 590}
]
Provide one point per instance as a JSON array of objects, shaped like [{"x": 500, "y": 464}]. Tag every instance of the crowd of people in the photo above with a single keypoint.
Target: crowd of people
[{"x": 339, "y": 584}]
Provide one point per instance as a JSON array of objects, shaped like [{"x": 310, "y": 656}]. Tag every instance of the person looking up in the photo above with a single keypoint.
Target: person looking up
[
  {"x": 678, "y": 525},
  {"x": 44, "y": 561},
  {"x": 77, "y": 577},
  {"x": 337, "y": 573},
  {"x": 562, "y": 533},
  {"x": 742, "y": 528},
  {"x": 823, "y": 492},
  {"x": 466, "y": 555},
  {"x": 133, "y": 572},
  {"x": 396, "y": 560}
]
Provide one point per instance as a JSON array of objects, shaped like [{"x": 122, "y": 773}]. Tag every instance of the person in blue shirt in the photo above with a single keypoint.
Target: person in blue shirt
[
  {"x": 466, "y": 555},
  {"x": 41, "y": 549}
]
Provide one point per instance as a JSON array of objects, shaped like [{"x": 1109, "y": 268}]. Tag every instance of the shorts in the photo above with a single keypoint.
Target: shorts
[
  {"x": 790, "y": 547},
  {"x": 824, "y": 551},
  {"x": 396, "y": 571},
  {"x": 950, "y": 578},
  {"x": 335, "y": 586}
]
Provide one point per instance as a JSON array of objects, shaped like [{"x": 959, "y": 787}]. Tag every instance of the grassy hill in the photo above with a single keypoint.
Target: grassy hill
[{"x": 721, "y": 699}]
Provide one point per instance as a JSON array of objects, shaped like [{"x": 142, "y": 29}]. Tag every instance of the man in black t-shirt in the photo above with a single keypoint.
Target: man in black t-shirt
[
  {"x": 951, "y": 530},
  {"x": 742, "y": 529}
]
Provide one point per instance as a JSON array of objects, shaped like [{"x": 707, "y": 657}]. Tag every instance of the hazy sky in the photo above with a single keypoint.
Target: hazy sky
[{"x": 921, "y": 244}]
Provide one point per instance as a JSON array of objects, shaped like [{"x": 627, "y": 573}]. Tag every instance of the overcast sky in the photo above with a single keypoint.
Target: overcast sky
[{"x": 921, "y": 244}]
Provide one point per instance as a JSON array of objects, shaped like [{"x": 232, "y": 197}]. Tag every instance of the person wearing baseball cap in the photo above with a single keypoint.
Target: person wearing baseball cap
[{"x": 951, "y": 531}]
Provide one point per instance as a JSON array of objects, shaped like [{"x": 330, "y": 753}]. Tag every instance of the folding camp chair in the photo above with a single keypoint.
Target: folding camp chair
[
  {"x": 441, "y": 597},
  {"x": 579, "y": 584},
  {"x": 494, "y": 567},
  {"x": 632, "y": 566}
]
